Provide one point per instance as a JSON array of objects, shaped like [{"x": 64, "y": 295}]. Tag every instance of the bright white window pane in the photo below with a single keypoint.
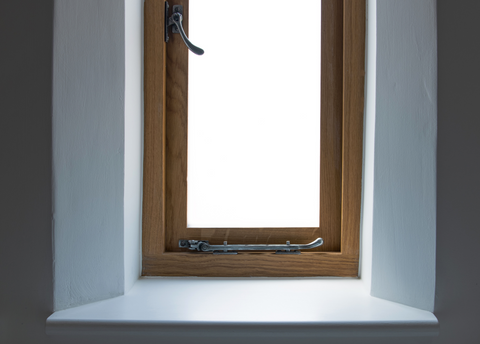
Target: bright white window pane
[{"x": 254, "y": 114}]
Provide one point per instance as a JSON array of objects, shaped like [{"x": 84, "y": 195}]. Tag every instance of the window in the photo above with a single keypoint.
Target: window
[{"x": 341, "y": 142}]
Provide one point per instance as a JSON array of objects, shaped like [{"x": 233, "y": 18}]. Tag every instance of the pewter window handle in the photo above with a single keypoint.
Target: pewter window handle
[
  {"x": 176, "y": 20},
  {"x": 204, "y": 246}
]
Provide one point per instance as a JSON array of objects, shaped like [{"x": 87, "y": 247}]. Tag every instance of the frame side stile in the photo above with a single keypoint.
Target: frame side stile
[
  {"x": 354, "y": 76},
  {"x": 153, "y": 212}
]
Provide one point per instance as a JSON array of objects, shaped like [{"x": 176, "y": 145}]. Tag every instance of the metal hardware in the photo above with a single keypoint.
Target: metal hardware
[
  {"x": 204, "y": 246},
  {"x": 175, "y": 21}
]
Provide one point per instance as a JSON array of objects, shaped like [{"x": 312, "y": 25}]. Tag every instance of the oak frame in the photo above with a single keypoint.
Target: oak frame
[{"x": 165, "y": 159}]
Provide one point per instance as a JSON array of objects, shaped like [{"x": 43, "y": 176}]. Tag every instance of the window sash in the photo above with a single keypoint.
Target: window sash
[{"x": 165, "y": 160}]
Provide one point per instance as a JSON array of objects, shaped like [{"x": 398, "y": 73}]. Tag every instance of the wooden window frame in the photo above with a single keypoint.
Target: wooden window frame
[{"x": 165, "y": 160}]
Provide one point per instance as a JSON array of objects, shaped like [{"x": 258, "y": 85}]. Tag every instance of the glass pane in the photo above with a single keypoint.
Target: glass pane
[{"x": 254, "y": 114}]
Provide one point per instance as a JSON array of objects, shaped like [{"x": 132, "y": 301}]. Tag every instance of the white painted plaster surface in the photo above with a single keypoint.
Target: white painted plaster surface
[
  {"x": 404, "y": 214},
  {"x": 369, "y": 144},
  {"x": 272, "y": 308},
  {"x": 88, "y": 151},
  {"x": 133, "y": 140}
]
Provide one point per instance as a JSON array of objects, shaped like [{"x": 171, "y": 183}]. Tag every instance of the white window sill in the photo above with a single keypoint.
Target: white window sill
[{"x": 315, "y": 307}]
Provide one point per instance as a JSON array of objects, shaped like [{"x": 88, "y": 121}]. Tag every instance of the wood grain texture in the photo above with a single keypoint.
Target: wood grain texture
[
  {"x": 153, "y": 216},
  {"x": 166, "y": 138},
  {"x": 331, "y": 123},
  {"x": 177, "y": 135},
  {"x": 353, "y": 114},
  {"x": 252, "y": 265}
]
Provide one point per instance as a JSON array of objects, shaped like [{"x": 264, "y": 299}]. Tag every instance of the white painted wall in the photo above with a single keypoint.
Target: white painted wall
[
  {"x": 97, "y": 149},
  {"x": 368, "y": 147},
  {"x": 88, "y": 151},
  {"x": 25, "y": 187},
  {"x": 404, "y": 226},
  {"x": 132, "y": 205}
]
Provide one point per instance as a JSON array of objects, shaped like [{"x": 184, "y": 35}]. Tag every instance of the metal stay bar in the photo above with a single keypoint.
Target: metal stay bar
[{"x": 204, "y": 246}]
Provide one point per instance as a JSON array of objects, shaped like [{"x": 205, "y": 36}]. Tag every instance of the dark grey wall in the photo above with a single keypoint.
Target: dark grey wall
[
  {"x": 25, "y": 170},
  {"x": 458, "y": 170},
  {"x": 26, "y": 38}
]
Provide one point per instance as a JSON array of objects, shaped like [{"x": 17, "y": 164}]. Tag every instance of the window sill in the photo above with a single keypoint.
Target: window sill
[{"x": 310, "y": 307}]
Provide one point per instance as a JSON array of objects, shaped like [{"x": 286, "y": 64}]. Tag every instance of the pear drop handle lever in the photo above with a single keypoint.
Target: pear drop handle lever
[{"x": 176, "y": 22}]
